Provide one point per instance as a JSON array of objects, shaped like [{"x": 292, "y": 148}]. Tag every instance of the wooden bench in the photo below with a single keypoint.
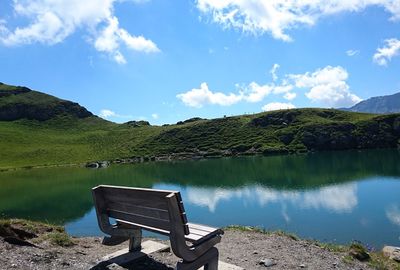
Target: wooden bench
[{"x": 159, "y": 211}]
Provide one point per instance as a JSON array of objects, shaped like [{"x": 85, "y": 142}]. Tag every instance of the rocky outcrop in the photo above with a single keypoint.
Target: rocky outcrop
[
  {"x": 17, "y": 102},
  {"x": 276, "y": 118},
  {"x": 137, "y": 123},
  {"x": 5, "y": 91},
  {"x": 190, "y": 120},
  {"x": 41, "y": 112}
]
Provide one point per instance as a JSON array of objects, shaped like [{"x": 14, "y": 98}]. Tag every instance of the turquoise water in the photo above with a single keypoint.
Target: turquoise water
[{"x": 334, "y": 196}]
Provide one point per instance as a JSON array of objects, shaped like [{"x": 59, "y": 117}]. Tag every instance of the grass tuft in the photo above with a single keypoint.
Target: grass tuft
[{"x": 61, "y": 239}]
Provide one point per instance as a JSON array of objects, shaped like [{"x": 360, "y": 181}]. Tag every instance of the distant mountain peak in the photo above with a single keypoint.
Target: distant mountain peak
[{"x": 379, "y": 104}]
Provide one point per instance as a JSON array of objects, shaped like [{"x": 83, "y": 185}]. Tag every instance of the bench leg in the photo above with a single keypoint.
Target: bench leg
[
  {"x": 135, "y": 241},
  {"x": 209, "y": 260},
  {"x": 212, "y": 265}
]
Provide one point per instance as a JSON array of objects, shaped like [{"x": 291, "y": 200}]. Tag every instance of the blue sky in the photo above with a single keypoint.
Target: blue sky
[{"x": 165, "y": 61}]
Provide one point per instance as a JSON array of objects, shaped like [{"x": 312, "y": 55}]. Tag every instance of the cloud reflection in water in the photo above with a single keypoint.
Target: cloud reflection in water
[
  {"x": 393, "y": 214},
  {"x": 336, "y": 198}
]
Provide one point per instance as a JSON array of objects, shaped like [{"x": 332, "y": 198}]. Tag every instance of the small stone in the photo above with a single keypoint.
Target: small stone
[
  {"x": 267, "y": 262},
  {"x": 255, "y": 252},
  {"x": 392, "y": 252},
  {"x": 302, "y": 265},
  {"x": 114, "y": 266}
]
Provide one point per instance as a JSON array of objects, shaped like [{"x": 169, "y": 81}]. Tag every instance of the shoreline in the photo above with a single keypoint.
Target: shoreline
[
  {"x": 173, "y": 157},
  {"x": 48, "y": 247}
]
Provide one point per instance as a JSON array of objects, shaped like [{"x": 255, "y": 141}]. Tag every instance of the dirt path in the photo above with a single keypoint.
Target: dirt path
[{"x": 243, "y": 248}]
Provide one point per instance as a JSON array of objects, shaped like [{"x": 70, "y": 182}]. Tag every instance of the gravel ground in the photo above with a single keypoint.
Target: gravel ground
[{"x": 242, "y": 248}]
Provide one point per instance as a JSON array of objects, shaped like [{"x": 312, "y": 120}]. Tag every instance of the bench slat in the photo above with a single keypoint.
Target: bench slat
[
  {"x": 136, "y": 189},
  {"x": 148, "y": 228},
  {"x": 192, "y": 237},
  {"x": 150, "y": 201},
  {"x": 140, "y": 210},
  {"x": 140, "y": 220},
  {"x": 201, "y": 227},
  {"x": 198, "y": 232}
]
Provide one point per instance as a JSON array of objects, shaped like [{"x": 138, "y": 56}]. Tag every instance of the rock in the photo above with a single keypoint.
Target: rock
[
  {"x": 140, "y": 123},
  {"x": 302, "y": 265},
  {"x": 98, "y": 164},
  {"x": 114, "y": 266},
  {"x": 92, "y": 165},
  {"x": 392, "y": 252},
  {"x": 267, "y": 262},
  {"x": 103, "y": 164}
]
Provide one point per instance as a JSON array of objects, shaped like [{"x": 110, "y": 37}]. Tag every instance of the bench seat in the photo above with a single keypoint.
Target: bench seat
[{"x": 198, "y": 233}]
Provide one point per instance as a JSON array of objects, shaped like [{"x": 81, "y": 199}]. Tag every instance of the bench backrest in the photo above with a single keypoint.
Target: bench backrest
[{"x": 147, "y": 208}]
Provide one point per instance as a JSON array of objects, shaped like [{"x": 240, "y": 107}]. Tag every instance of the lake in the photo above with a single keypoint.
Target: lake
[{"x": 329, "y": 196}]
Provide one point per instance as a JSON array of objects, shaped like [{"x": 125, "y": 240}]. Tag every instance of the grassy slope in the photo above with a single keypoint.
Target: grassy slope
[
  {"x": 69, "y": 137},
  {"x": 69, "y": 140}
]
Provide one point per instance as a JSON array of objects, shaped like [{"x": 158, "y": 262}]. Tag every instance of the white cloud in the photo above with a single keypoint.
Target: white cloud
[
  {"x": 256, "y": 92},
  {"x": 155, "y": 116},
  {"x": 199, "y": 97},
  {"x": 352, "y": 52},
  {"x": 50, "y": 22},
  {"x": 119, "y": 58},
  {"x": 290, "y": 96},
  {"x": 385, "y": 54},
  {"x": 253, "y": 92},
  {"x": 326, "y": 86},
  {"x": 107, "y": 114},
  {"x": 278, "y": 16},
  {"x": 273, "y": 106},
  {"x": 138, "y": 43},
  {"x": 273, "y": 72}
]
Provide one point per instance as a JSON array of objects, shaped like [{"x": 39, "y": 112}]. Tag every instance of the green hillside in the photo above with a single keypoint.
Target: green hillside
[
  {"x": 17, "y": 102},
  {"x": 37, "y": 129}
]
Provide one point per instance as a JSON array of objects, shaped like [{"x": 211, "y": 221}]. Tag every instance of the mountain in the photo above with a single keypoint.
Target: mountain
[
  {"x": 37, "y": 129},
  {"x": 17, "y": 102},
  {"x": 379, "y": 105}
]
